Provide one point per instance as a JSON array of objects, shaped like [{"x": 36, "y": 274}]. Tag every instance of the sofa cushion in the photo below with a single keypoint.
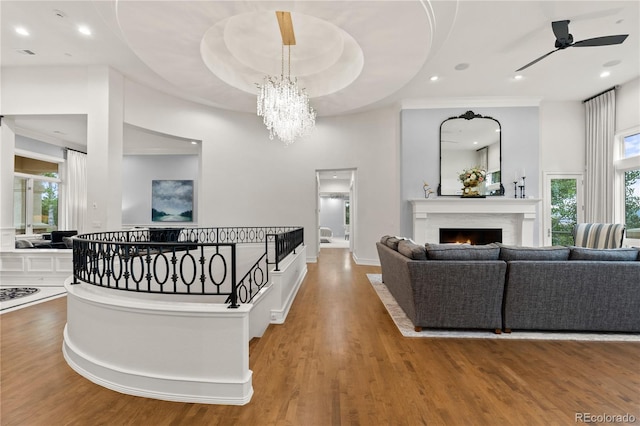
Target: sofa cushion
[
  {"x": 462, "y": 252},
  {"x": 619, "y": 254},
  {"x": 508, "y": 253},
  {"x": 384, "y": 239},
  {"x": 392, "y": 242},
  {"x": 24, "y": 244},
  {"x": 412, "y": 250}
]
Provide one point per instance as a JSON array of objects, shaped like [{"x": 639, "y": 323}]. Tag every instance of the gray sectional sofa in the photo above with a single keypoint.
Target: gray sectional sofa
[{"x": 499, "y": 287}]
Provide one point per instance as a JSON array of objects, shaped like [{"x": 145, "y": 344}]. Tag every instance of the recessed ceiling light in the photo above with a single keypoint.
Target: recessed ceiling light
[
  {"x": 22, "y": 31},
  {"x": 604, "y": 74},
  {"x": 462, "y": 66},
  {"x": 434, "y": 78},
  {"x": 475, "y": 142},
  {"x": 518, "y": 77},
  {"x": 498, "y": 130},
  {"x": 194, "y": 143},
  {"x": 83, "y": 29},
  {"x": 335, "y": 176}
]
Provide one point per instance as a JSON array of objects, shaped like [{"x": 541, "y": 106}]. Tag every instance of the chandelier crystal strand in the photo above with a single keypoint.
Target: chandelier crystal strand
[{"x": 284, "y": 107}]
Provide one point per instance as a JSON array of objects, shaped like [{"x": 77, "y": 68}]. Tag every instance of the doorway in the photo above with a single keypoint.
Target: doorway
[
  {"x": 335, "y": 213},
  {"x": 563, "y": 207}
]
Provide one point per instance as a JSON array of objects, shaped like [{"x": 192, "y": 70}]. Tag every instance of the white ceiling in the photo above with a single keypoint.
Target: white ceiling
[{"x": 350, "y": 55}]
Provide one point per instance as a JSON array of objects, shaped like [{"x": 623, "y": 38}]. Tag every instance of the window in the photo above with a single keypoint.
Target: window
[
  {"x": 35, "y": 195},
  {"x": 628, "y": 181},
  {"x": 347, "y": 213}
]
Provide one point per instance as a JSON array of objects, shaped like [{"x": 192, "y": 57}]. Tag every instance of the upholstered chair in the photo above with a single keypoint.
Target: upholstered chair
[{"x": 598, "y": 235}]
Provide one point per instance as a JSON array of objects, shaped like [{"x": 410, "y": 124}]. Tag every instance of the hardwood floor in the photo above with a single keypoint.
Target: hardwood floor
[{"x": 337, "y": 360}]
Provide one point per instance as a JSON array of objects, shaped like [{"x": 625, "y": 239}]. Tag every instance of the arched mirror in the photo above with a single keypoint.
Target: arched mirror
[{"x": 466, "y": 142}]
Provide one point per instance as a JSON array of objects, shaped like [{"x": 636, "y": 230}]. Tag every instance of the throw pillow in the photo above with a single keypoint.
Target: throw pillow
[
  {"x": 384, "y": 239},
  {"x": 412, "y": 250},
  {"x": 615, "y": 255},
  {"x": 392, "y": 242},
  {"x": 508, "y": 253},
  {"x": 462, "y": 252}
]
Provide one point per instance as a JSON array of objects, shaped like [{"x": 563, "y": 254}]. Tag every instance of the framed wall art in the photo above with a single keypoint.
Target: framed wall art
[{"x": 172, "y": 200}]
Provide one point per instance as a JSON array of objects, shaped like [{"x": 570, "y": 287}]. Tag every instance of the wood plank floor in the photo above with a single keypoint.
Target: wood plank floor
[{"x": 338, "y": 360}]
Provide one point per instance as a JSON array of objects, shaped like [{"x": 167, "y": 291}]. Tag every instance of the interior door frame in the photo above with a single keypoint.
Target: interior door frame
[
  {"x": 546, "y": 213},
  {"x": 353, "y": 204}
]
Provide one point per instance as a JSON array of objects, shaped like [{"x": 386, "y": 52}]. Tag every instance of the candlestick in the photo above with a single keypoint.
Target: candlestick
[
  {"x": 515, "y": 188},
  {"x": 523, "y": 185}
]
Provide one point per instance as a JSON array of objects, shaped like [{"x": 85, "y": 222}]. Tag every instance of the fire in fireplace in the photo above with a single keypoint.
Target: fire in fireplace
[{"x": 471, "y": 235}]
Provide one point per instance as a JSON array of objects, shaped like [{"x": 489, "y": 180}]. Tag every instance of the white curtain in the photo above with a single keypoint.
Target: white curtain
[
  {"x": 75, "y": 181},
  {"x": 599, "y": 172}
]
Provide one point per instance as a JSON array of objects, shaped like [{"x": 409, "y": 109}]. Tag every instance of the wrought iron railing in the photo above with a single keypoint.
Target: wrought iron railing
[{"x": 196, "y": 261}]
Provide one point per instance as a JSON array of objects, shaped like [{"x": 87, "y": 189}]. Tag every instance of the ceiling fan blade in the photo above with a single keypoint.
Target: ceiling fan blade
[
  {"x": 561, "y": 30},
  {"x": 539, "y": 59},
  {"x": 601, "y": 41}
]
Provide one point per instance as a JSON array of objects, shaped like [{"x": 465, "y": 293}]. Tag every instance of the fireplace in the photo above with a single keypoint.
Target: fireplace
[
  {"x": 474, "y": 236},
  {"x": 517, "y": 217}
]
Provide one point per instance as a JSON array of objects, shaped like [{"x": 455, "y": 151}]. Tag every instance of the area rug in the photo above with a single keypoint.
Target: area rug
[
  {"x": 335, "y": 243},
  {"x": 406, "y": 327},
  {"x": 16, "y": 292},
  {"x": 13, "y": 298}
]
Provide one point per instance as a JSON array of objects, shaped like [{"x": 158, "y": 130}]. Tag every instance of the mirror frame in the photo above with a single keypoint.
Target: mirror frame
[{"x": 470, "y": 115}]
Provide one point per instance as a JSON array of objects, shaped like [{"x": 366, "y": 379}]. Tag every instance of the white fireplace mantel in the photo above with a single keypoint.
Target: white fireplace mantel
[{"x": 515, "y": 216}]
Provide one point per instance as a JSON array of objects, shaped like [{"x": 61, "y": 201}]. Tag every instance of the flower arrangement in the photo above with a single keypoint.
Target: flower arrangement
[
  {"x": 472, "y": 179},
  {"x": 427, "y": 189},
  {"x": 472, "y": 176}
]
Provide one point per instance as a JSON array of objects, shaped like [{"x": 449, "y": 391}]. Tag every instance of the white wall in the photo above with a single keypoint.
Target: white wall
[
  {"x": 139, "y": 170},
  {"x": 628, "y": 105},
  {"x": 421, "y": 150},
  {"x": 335, "y": 185},
  {"x": 562, "y": 128},
  {"x": 44, "y": 90},
  {"x": 562, "y": 136},
  {"x": 32, "y": 145},
  {"x": 245, "y": 179},
  {"x": 332, "y": 214}
]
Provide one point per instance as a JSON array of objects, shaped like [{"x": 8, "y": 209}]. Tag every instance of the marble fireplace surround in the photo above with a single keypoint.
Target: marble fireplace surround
[{"x": 515, "y": 216}]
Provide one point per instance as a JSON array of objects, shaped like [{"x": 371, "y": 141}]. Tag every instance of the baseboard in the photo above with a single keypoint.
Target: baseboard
[{"x": 366, "y": 262}]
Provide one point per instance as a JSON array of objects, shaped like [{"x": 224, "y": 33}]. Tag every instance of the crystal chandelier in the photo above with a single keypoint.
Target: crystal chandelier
[{"x": 283, "y": 106}]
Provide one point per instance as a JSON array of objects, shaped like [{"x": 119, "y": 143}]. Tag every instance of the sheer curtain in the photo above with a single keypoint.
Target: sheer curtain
[
  {"x": 600, "y": 173},
  {"x": 75, "y": 207}
]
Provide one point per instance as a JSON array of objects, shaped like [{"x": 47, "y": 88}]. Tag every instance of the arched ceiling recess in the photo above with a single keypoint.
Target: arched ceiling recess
[{"x": 347, "y": 55}]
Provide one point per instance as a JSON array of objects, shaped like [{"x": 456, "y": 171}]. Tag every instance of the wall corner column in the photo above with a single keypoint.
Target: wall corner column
[
  {"x": 7, "y": 151},
  {"x": 105, "y": 128}
]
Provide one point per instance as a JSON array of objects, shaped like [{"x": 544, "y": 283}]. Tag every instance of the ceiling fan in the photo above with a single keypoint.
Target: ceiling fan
[{"x": 564, "y": 40}]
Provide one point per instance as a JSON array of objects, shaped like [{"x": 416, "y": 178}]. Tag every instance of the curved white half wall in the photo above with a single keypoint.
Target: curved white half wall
[
  {"x": 162, "y": 348},
  {"x": 183, "y": 348}
]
